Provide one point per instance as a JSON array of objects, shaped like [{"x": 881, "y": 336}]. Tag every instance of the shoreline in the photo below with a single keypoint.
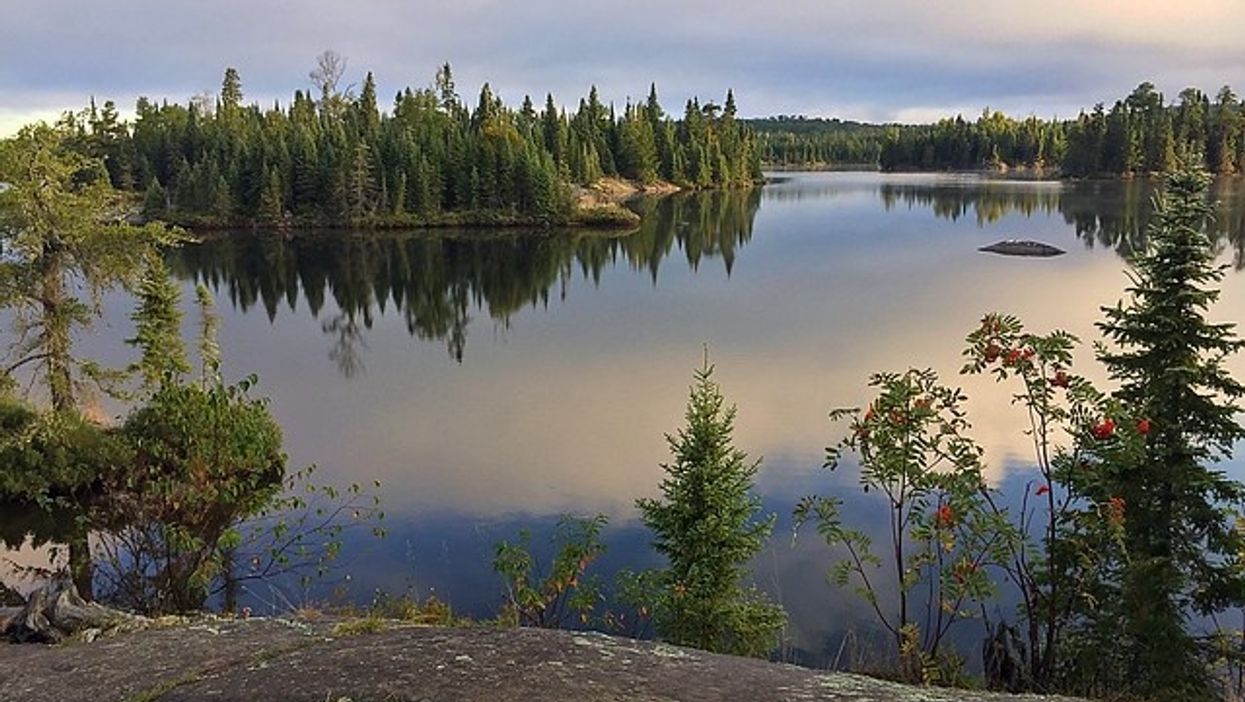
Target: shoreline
[
  {"x": 601, "y": 205},
  {"x": 617, "y": 217},
  {"x": 1010, "y": 173}
]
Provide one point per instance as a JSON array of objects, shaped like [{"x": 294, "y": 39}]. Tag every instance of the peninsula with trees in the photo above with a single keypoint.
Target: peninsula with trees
[{"x": 334, "y": 158}]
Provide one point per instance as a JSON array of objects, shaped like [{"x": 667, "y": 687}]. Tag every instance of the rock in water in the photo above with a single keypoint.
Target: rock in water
[{"x": 1022, "y": 247}]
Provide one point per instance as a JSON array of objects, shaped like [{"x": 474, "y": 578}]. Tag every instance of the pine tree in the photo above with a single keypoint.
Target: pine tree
[
  {"x": 706, "y": 526},
  {"x": 271, "y": 198},
  {"x": 1191, "y": 119},
  {"x": 369, "y": 113},
  {"x": 445, "y": 88},
  {"x": 220, "y": 197},
  {"x": 1184, "y": 549},
  {"x": 305, "y": 182},
  {"x": 1222, "y": 148},
  {"x": 231, "y": 91},
  {"x": 398, "y": 203},
  {"x": 155, "y": 200},
  {"x": 59, "y": 230},
  {"x": 157, "y": 329},
  {"x": 527, "y": 119},
  {"x": 1164, "y": 145},
  {"x": 360, "y": 184},
  {"x": 637, "y": 156},
  {"x": 554, "y": 131}
]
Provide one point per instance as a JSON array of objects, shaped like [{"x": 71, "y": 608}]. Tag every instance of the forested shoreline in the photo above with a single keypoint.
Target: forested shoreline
[
  {"x": 333, "y": 158},
  {"x": 794, "y": 141},
  {"x": 1138, "y": 135}
]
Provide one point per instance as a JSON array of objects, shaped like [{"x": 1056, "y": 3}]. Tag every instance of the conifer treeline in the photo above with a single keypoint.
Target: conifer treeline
[
  {"x": 795, "y": 141},
  {"x": 336, "y": 158},
  {"x": 1139, "y": 134}
]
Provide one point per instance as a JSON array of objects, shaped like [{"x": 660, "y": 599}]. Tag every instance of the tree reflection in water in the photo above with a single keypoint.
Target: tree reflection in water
[
  {"x": 436, "y": 280},
  {"x": 1111, "y": 214}
]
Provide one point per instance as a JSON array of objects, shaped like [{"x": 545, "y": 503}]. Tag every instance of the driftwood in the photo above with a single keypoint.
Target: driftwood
[
  {"x": 1004, "y": 655},
  {"x": 51, "y": 616},
  {"x": 10, "y": 597},
  {"x": 7, "y": 615},
  {"x": 1022, "y": 247}
]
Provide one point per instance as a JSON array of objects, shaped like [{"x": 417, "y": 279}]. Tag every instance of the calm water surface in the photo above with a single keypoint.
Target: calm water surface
[{"x": 494, "y": 381}]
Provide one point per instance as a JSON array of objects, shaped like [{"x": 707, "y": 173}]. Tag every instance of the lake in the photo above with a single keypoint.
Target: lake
[{"x": 493, "y": 381}]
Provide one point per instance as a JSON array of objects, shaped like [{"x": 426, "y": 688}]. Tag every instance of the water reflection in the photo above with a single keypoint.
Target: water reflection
[
  {"x": 801, "y": 290},
  {"x": 434, "y": 281},
  {"x": 1107, "y": 214}
]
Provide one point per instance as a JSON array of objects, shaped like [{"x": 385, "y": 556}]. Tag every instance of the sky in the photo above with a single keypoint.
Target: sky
[{"x": 880, "y": 60}]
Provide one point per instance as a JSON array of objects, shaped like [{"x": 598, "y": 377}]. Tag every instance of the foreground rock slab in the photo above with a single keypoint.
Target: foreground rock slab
[{"x": 288, "y": 661}]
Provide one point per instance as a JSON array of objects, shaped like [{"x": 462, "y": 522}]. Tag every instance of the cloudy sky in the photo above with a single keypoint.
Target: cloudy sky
[{"x": 906, "y": 60}]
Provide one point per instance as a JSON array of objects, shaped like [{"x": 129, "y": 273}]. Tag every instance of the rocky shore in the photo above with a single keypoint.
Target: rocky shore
[{"x": 296, "y": 660}]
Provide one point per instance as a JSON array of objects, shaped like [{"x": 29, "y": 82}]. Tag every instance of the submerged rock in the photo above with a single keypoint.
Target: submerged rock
[{"x": 1022, "y": 247}]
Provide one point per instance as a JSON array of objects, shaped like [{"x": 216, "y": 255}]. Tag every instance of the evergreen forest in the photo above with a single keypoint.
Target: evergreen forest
[
  {"x": 331, "y": 157},
  {"x": 1139, "y": 134}
]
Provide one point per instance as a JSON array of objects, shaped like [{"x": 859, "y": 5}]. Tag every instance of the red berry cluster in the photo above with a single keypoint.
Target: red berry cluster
[
  {"x": 1104, "y": 429},
  {"x": 1011, "y": 357}
]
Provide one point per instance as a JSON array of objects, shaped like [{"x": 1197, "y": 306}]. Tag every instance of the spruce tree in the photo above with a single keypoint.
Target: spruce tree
[
  {"x": 369, "y": 113},
  {"x": 64, "y": 248},
  {"x": 65, "y": 245},
  {"x": 1184, "y": 547},
  {"x": 706, "y": 525},
  {"x": 231, "y": 91},
  {"x": 271, "y": 199},
  {"x": 155, "y": 200},
  {"x": 157, "y": 329}
]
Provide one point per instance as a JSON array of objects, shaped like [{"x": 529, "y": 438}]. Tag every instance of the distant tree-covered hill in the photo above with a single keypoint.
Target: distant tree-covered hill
[
  {"x": 795, "y": 141},
  {"x": 1139, "y": 134}
]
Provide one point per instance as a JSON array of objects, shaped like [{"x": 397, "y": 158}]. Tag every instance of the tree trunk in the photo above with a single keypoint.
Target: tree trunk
[
  {"x": 56, "y": 344},
  {"x": 232, "y": 586},
  {"x": 80, "y": 563},
  {"x": 56, "y": 332}
]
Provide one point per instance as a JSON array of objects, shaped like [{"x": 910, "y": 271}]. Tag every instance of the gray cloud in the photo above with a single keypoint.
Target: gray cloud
[{"x": 886, "y": 59}]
